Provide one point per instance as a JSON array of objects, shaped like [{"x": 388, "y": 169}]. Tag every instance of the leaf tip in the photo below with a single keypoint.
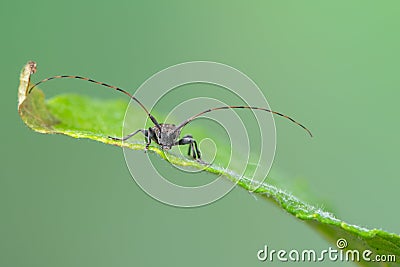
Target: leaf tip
[
  {"x": 27, "y": 71},
  {"x": 31, "y": 66}
]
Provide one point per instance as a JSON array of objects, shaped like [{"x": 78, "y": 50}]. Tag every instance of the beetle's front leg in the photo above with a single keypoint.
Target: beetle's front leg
[
  {"x": 188, "y": 140},
  {"x": 150, "y": 134},
  {"x": 144, "y": 132}
]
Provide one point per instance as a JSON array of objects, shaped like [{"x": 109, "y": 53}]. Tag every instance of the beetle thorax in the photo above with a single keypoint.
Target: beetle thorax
[{"x": 168, "y": 135}]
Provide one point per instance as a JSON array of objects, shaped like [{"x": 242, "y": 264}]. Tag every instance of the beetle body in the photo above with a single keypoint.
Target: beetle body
[{"x": 167, "y": 137}]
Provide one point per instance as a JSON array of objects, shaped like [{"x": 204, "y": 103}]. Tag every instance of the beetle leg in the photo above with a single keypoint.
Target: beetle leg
[
  {"x": 144, "y": 132},
  {"x": 149, "y": 135},
  {"x": 188, "y": 140},
  {"x": 190, "y": 149}
]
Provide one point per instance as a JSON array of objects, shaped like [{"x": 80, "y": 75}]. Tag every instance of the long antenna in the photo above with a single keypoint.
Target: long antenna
[
  {"x": 184, "y": 123},
  {"x": 103, "y": 84}
]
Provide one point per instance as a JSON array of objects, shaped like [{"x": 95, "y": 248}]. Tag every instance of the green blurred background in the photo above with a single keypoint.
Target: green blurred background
[{"x": 333, "y": 65}]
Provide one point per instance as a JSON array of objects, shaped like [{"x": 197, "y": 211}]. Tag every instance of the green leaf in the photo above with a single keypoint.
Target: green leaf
[{"x": 82, "y": 117}]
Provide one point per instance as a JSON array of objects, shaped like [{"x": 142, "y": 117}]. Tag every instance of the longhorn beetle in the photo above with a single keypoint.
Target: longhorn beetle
[{"x": 166, "y": 135}]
